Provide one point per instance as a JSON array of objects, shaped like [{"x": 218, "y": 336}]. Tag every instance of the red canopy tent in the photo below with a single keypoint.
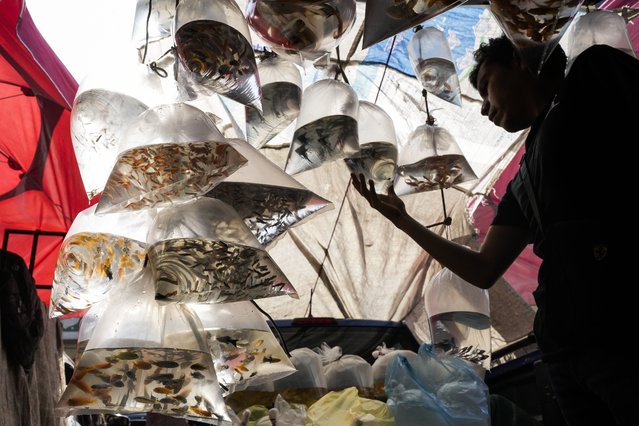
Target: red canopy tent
[{"x": 41, "y": 190}]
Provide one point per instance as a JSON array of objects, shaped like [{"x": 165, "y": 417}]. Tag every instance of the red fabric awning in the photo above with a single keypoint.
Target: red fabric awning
[{"x": 41, "y": 190}]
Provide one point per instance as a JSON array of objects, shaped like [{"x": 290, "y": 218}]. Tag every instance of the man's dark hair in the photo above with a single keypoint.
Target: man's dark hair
[{"x": 500, "y": 51}]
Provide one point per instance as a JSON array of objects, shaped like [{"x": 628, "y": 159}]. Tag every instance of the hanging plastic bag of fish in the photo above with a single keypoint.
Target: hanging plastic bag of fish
[
  {"x": 459, "y": 319},
  {"x": 88, "y": 321},
  {"x": 598, "y": 27},
  {"x": 326, "y": 129},
  {"x": 310, "y": 27},
  {"x": 433, "y": 64},
  {"x": 281, "y": 97},
  {"x": 99, "y": 254},
  {"x": 377, "y": 156},
  {"x": 157, "y": 166},
  {"x": 143, "y": 357},
  {"x": 535, "y": 28},
  {"x": 386, "y": 18},
  {"x": 152, "y": 36},
  {"x": 107, "y": 100},
  {"x": 430, "y": 160},
  {"x": 269, "y": 200},
  {"x": 244, "y": 349},
  {"x": 203, "y": 252},
  {"x": 215, "y": 51}
]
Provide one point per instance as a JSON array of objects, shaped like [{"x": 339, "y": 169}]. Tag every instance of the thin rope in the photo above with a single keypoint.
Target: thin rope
[
  {"x": 321, "y": 267},
  {"x": 340, "y": 69},
  {"x": 430, "y": 120},
  {"x": 390, "y": 52},
  {"x": 146, "y": 42}
]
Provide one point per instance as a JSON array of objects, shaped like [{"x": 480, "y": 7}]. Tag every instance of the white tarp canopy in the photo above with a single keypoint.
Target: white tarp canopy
[{"x": 357, "y": 263}]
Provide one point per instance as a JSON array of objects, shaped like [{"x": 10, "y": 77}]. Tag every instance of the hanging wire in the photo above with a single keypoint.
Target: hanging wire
[
  {"x": 146, "y": 42},
  {"x": 340, "y": 70},
  {"x": 277, "y": 329},
  {"x": 328, "y": 245},
  {"x": 390, "y": 52},
  {"x": 430, "y": 120},
  {"x": 447, "y": 219}
]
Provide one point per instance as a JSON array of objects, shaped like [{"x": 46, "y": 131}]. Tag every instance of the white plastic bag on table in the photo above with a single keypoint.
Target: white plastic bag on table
[
  {"x": 215, "y": 51},
  {"x": 385, "y": 18},
  {"x": 430, "y": 160},
  {"x": 377, "y": 156},
  {"x": 343, "y": 371},
  {"x": 437, "y": 390},
  {"x": 308, "y": 379},
  {"x": 98, "y": 255},
  {"x": 310, "y": 27},
  {"x": 432, "y": 61},
  {"x": 598, "y": 27},
  {"x": 535, "y": 27},
  {"x": 326, "y": 128},
  {"x": 459, "y": 318},
  {"x": 281, "y": 83},
  {"x": 203, "y": 252},
  {"x": 143, "y": 357},
  {"x": 159, "y": 166},
  {"x": 244, "y": 349},
  {"x": 383, "y": 357},
  {"x": 106, "y": 101}
]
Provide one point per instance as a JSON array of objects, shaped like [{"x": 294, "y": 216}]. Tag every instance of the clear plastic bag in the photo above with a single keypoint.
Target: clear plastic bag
[
  {"x": 433, "y": 64},
  {"x": 343, "y": 371},
  {"x": 383, "y": 357},
  {"x": 143, "y": 357},
  {"x": 308, "y": 382},
  {"x": 215, "y": 50},
  {"x": 385, "y": 18},
  {"x": 203, "y": 252},
  {"x": 326, "y": 128},
  {"x": 437, "y": 390},
  {"x": 459, "y": 318},
  {"x": 598, "y": 27},
  {"x": 535, "y": 27},
  {"x": 244, "y": 349},
  {"x": 305, "y": 26},
  {"x": 269, "y": 200},
  {"x": 98, "y": 254},
  {"x": 281, "y": 83},
  {"x": 106, "y": 101},
  {"x": 430, "y": 160},
  {"x": 168, "y": 154},
  {"x": 377, "y": 156},
  {"x": 159, "y": 39}
]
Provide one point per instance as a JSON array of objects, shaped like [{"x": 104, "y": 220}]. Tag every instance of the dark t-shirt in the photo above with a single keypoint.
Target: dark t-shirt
[{"x": 579, "y": 163}]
